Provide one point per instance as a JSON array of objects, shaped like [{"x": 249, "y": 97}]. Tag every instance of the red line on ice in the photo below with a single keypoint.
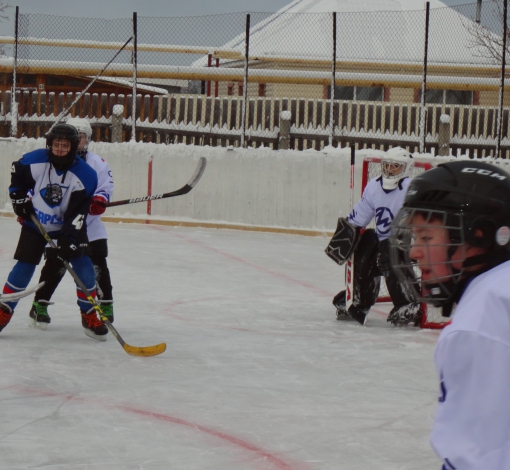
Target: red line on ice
[
  {"x": 273, "y": 460},
  {"x": 279, "y": 463},
  {"x": 315, "y": 289}
]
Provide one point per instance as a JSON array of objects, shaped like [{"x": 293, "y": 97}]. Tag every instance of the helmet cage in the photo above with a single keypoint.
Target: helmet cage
[
  {"x": 434, "y": 282},
  {"x": 392, "y": 169}
]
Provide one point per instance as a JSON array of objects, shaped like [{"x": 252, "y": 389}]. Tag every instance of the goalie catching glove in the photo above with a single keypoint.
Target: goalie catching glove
[{"x": 344, "y": 241}]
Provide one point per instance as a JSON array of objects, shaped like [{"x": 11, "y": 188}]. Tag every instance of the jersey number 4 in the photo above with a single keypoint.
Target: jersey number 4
[{"x": 78, "y": 222}]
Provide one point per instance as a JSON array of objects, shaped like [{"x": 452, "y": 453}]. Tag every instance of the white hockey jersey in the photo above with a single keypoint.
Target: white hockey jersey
[
  {"x": 379, "y": 203},
  {"x": 95, "y": 226},
  {"x": 472, "y": 425}
]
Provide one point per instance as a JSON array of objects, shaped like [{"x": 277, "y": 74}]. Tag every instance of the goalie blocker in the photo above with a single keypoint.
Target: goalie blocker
[{"x": 344, "y": 241}]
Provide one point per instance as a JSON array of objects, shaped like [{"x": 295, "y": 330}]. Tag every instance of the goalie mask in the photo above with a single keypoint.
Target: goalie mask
[
  {"x": 83, "y": 127},
  {"x": 455, "y": 224},
  {"x": 396, "y": 165}
]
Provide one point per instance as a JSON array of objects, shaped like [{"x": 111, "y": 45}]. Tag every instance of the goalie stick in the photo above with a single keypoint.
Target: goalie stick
[
  {"x": 133, "y": 350},
  {"x": 199, "y": 171},
  {"x": 19, "y": 295},
  {"x": 349, "y": 266}
]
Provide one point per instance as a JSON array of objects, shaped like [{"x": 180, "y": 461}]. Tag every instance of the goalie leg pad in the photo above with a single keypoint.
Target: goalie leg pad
[
  {"x": 366, "y": 274},
  {"x": 344, "y": 241}
]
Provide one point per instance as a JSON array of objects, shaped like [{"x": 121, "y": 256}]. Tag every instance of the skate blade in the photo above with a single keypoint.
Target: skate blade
[
  {"x": 91, "y": 334},
  {"x": 36, "y": 325},
  {"x": 344, "y": 317}
]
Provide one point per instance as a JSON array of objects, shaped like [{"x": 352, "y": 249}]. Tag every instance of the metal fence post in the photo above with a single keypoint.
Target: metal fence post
[
  {"x": 14, "y": 104},
  {"x": 424, "y": 83},
  {"x": 135, "y": 65},
  {"x": 333, "y": 72},
  {"x": 502, "y": 84},
  {"x": 245, "y": 85}
]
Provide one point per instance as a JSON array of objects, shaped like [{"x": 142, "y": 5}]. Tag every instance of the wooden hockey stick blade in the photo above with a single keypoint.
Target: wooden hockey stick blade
[
  {"x": 144, "y": 351},
  {"x": 19, "y": 295},
  {"x": 195, "y": 177}
]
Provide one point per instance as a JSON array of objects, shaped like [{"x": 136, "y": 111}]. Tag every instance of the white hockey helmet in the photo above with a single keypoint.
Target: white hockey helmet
[
  {"x": 396, "y": 165},
  {"x": 83, "y": 127}
]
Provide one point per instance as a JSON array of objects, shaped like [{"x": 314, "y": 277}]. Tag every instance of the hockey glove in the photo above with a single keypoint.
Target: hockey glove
[
  {"x": 97, "y": 206},
  {"x": 344, "y": 241},
  {"x": 68, "y": 248},
  {"x": 22, "y": 204}
]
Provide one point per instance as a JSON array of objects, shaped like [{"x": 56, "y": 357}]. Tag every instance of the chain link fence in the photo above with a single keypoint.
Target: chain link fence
[{"x": 377, "y": 79}]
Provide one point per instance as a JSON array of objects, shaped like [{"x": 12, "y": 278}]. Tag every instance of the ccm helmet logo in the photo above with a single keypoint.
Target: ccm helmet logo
[{"x": 492, "y": 174}]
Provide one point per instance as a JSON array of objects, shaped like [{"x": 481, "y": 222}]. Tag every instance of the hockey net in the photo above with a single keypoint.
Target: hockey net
[{"x": 432, "y": 317}]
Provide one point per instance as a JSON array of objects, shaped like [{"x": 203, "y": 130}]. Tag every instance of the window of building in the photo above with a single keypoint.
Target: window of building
[
  {"x": 447, "y": 97},
  {"x": 54, "y": 81},
  {"x": 77, "y": 83},
  {"x": 358, "y": 93},
  {"x": 27, "y": 79}
]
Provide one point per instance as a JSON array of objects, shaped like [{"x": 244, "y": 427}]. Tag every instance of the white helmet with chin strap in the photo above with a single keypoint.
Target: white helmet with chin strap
[
  {"x": 396, "y": 165},
  {"x": 83, "y": 127}
]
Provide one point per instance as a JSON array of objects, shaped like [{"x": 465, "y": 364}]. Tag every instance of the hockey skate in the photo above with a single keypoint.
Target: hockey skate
[
  {"x": 93, "y": 326},
  {"x": 38, "y": 314},
  {"x": 5, "y": 315},
  {"x": 107, "y": 309},
  {"x": 405, "y": 314},
  {"x": 341, "y": 309}
]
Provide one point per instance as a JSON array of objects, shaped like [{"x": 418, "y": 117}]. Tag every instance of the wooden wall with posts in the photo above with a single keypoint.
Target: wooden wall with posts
[{"x": 201, "y": 120}]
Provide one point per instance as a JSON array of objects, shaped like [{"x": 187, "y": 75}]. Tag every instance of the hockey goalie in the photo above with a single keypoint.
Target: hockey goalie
[{"x": 381, "y": 200}]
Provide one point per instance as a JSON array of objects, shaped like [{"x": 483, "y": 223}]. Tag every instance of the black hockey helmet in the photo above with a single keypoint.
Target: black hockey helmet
[
  {"x": 64, "y": 132},
  {"x": 471, "y": 199}
]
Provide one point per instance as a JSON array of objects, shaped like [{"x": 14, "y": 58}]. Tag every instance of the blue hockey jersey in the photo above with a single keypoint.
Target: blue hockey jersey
[{"x": 61, "y": 199}]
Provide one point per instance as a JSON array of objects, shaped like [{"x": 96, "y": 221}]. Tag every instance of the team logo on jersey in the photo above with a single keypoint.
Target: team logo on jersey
[
  {"x": 383, "y": 219},
  {"x": 53, "y": 194}
]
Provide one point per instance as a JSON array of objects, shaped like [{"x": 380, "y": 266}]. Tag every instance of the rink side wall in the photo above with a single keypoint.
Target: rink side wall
[{"x": 286, "y": 190}]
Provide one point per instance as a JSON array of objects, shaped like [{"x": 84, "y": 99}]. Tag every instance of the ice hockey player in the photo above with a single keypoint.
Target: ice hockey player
[
  {"x": 459, "y": 218},
  {"x": 382, "y": 198},
  {"x": 57, "y": 186},
  {"x": 54, "y": 270}
]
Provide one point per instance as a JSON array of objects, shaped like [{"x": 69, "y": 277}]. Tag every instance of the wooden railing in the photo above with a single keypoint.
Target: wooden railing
[{"x": 201, "y": 120}]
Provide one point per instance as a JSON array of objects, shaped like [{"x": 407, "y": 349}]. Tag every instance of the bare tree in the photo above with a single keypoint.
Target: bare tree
[{"x": 487, "y": 39}]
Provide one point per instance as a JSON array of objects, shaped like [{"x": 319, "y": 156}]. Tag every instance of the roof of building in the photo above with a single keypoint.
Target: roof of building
[{"x": 367, "y": 31}]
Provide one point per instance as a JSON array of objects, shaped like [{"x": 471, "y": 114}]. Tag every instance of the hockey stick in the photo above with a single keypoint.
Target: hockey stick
[
  {"x": 349, "y": 266},
  {"x": 19, "y": 295},
  {"x": 133, "y": 350},
  {"x": 65, "y": 111},
  {"x": 202, "y": 162}
]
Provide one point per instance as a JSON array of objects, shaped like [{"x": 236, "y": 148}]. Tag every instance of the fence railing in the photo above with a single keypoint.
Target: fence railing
[
  {"x": 202, "y": 120},
  {"x": 395, "y": 58}
]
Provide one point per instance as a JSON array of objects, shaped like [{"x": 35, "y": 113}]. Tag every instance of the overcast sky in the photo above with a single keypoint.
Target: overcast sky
[
  {"x": 125, "y": 8},
  {"x": 118, "y": 9}
]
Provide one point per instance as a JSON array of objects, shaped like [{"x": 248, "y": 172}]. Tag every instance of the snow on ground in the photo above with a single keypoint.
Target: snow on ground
[{"x": 258, "y": 374}]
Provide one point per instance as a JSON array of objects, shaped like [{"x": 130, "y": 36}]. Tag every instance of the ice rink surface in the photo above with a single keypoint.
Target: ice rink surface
[{"x": 258, "y": 373}]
